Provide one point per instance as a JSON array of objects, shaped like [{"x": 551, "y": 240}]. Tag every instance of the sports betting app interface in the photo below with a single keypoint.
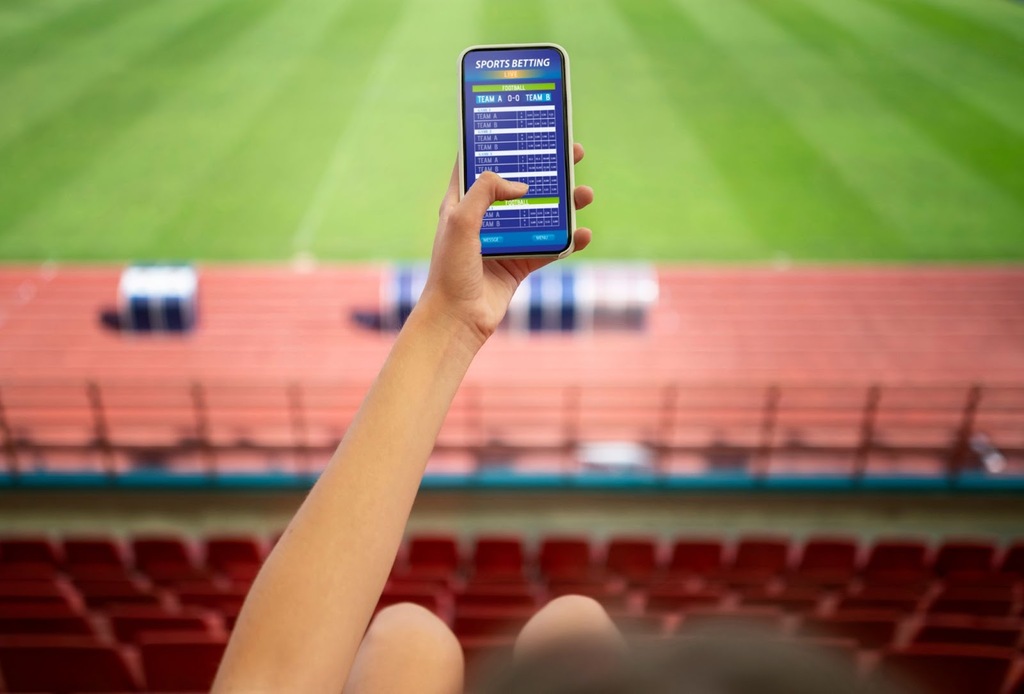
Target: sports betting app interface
[{"x": 514, "y": 113}]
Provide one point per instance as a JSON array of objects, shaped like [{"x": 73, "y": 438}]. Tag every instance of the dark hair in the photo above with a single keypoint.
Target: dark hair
[{"x": 708, "y": 662}]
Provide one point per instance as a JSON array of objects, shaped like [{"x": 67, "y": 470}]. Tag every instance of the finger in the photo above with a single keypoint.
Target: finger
[
  {"x": 582, "y": 196},
  {"x": 577, "y": 153},
  {"x": 490, "y": 187},
  {"x": 451, "y": 195},
  {"x": 581, "y": 238}
]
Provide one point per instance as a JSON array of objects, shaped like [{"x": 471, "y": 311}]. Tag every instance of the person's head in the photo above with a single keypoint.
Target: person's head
[{"x": 709, "y": 662}]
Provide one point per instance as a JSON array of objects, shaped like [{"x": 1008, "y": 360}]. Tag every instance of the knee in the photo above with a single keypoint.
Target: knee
[
  {"x": 419, "y": 632},
  {"x": 567, "y": 617}
]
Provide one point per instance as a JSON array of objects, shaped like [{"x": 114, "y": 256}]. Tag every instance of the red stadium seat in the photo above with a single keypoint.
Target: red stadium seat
[
  {"x": 93, "y": 552},
  {"x": 164, "y": 558},
  {"x": 476, "y": 622},
  {"x": 801, "y": 599},
  {"x": 428, "y": 597},
  {"x": 235, "y": 556},
  {"x": 612, "y": 596},
  {"x": 496, "y": 596},
  {"x": 128, "y": 622},
  {"x": 666, "y": 599},
  {"x": 884, "y": 598},
  {"x": 29, "y": 550},
  {"x": 827, "y": 561},
  {"x": 433, "y": 555},
  {"x": 565, "y": 558},
  {"x": 180, "y": 662},
  {"x": 1013, "y": 560},
  {"x": 634, "y": 559},
  {"x": 870, "y": 628},
  {"x": 65, "y": 664},
  {"x": 897, "y": 561},
  {"x": 1005, "y": 633},
  {"x": 696, "y": 557},
  {"x": 44, "y": 619},
  {"x": 125, "y": 591},
  {"x": 949, "y": 669},
  {"x": 979, "y": 602},
  {"x": 211, "y": 596},
  {"x": 965, "y": 557},
  {"x": 762, "y": 617},
  {"x": 34, "y": 593},
  {"x": 761, "y": 556},
  {"x": 27, "y": 571},
  {"x": 498, "y": 557}
]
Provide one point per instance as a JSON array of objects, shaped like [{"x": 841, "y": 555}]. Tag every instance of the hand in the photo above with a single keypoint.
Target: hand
[{"x": 463, "y": 285}]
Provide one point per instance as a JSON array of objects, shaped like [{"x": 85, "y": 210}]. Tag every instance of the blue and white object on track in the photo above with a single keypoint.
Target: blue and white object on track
[{"x": 158, "y": 298}]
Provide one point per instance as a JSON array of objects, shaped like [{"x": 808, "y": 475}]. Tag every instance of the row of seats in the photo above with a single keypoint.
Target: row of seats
[{"x": 822, "y": 560}]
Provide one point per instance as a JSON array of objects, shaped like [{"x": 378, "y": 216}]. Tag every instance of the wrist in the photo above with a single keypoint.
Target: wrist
[{"x": 436, "y": 316}]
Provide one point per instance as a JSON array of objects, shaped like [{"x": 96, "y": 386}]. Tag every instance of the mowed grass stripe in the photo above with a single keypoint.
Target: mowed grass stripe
[
  {"x": 990, "y": 86},
  {"x": 1003, "y": 16},
  {"x": 792, "y": 196},
  {"x": 396, "y": 153},
  {"x": 820, "y": 104},
  {"x": 76, "y": 21},
  {"x": 959, "y": 29},
  {"x": 991, "y": 151},
  {"x": 20, "y": 16},
  {"x": 263, "y": 183},
  {"x": 131, "y": 194},
  {"x": 639, "y": 162},
  {"x": 62, "y": 75},
  {"x": 53, "y": 152}
]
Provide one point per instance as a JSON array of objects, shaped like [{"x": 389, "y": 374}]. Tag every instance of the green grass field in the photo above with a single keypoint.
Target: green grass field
[{"x": 715, "y": 129}]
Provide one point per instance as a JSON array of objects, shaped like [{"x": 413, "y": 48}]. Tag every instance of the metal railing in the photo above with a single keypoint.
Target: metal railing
[{"x": 759, "y": 427}]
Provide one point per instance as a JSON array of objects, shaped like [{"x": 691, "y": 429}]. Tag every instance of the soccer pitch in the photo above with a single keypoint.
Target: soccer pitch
[{"x": 716, "y": 130}]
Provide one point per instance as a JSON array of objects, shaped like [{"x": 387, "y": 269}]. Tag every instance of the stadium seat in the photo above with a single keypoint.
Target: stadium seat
[
  {"x": 29, "y": 550},
  {"x": 897, "y": 562},
  {"x": 882, "y": 598},
  {"x": 212, "y": 597},
  {"x": 669, "y": 599},
  {"x": 827, "y": 561},
  {"x": 93, "y": 552},
  {"x": 44, "y": 619},
  {"x": 870, "y": 628},
  {"x": 496, "y": 596},
  {"x": 433, "y": 555},
  {"x": 758, "y": 560},
  {"x": 611, "y": 595},
  {"x": 65, "y": 664},
  {"x": 180, "y": 662},
  {"x": 128, "y": 622},
  {"x": 125, "y": 591},
  {"x": 1005, "y": 633},
  {"x": 48, "y": 592},
  {"x": 234, "y": 556},
  {"x": 565, "y": 558},
  {"x": 498, "y": 557},
  {"x": 696, "y": 557},
  {"x": 164, "y": 558},
  {"x": 476, "y": 622},
  {"x": 968, "y": 600},
  {"x": 634, "y": 559},
  {"x": 964, "y": 557},
  {"x": 758, "y": 617},
  {"x": 1013, "y": 560},
  {"x": 949, "y": 669},
  {"x": 799, "y": 599}
]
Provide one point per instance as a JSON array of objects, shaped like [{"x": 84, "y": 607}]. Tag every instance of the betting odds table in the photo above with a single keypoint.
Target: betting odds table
[{"x": 514, "y": 125}]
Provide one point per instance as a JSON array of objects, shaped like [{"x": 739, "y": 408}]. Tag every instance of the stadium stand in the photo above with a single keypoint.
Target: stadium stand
[{"x": 171, "y": 640}]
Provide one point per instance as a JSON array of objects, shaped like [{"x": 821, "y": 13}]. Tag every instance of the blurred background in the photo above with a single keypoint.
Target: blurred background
[{"x": 785, "y": 383}]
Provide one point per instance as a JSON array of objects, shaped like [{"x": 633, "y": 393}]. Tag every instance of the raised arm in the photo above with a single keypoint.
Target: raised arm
[{"x": 305, "y": 616}]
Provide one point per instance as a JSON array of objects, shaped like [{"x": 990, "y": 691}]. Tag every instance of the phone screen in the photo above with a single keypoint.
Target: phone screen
[{"x": 515, "y": 123}]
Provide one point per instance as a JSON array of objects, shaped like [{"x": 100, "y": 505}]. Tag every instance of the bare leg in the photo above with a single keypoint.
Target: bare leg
[
  {"x": 407, "y": 649},
  {"x": 565, "y": 618}
]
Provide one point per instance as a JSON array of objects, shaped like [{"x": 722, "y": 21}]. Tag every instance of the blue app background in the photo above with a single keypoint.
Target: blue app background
[{"x": 514, "y": 111}]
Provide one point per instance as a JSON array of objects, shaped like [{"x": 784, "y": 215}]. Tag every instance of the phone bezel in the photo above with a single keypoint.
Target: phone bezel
[{"x": 568, "y": 144}]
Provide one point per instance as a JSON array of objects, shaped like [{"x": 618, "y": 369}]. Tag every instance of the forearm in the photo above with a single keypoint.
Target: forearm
[{"x": 307, "y": 611}]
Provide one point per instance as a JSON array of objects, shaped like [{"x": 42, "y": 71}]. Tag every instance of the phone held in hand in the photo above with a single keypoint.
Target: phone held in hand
[{"x": 516, "y": 120}]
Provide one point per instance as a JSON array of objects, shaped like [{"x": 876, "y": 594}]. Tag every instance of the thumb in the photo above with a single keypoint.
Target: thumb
[{"x": 488, "y": 188}]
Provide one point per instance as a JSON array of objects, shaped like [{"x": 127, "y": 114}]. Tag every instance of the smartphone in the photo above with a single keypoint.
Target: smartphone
[{"x": 516, "y": 120}]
